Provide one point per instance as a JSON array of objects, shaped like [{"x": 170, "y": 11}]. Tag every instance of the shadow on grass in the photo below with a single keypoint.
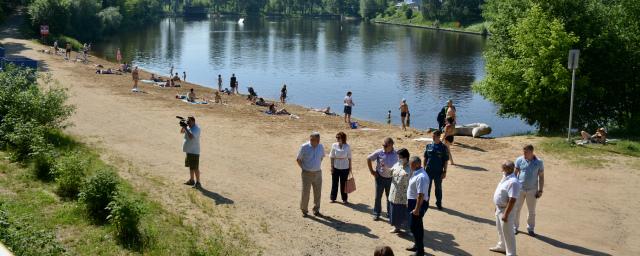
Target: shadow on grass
[{"x": 217, "y": 198}]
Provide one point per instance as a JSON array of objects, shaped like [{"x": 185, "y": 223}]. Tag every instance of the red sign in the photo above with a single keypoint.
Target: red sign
[{"x": 44, "y": 30}]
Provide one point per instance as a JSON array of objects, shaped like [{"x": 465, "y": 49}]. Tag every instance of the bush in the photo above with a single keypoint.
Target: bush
[
  {"x": 43, "y": 166},
  {"x": 408, "y": 13},
  {"x": 97, "y": 192},
  {"x": 22, "y": 239},
  {"x": 125, "y": 214},
  {"x": 28, "y": 113},
  {"x": 69, "y": 172}
]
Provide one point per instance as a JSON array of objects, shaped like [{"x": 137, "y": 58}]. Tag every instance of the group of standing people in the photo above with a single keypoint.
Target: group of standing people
[
  {"x": 406, "y": 182},
  {"x": 397, "y": 175}
]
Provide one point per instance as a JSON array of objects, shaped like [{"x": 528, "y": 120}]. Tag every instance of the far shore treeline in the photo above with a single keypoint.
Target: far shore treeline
[{"x": 526, "y": 58}]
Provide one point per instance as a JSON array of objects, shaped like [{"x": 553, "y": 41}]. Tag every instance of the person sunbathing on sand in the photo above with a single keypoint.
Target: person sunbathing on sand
[
  {"x": 272, "y": 111},
  {"x": 108, "y": 71},
  {"x": 326, "y": 110},
  {"x": 156, "y": 78},
  {"x": 261, "y": 102},
  {"x": 599, "y": 137}
]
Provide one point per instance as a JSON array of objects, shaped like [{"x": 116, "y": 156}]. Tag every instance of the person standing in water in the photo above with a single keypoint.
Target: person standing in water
[
  {"x": 348, "y": 106},
  {"x": 184, "y": 76},
  {"x": 232, "y": 83},
  {"x": 404, "y": 114},
  {"x": 219, "y": 82}
]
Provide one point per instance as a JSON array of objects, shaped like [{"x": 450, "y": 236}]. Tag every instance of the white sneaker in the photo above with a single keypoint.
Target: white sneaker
[
  {"x": 394, "y": 230},
  {"x": 497, "y": 249}
]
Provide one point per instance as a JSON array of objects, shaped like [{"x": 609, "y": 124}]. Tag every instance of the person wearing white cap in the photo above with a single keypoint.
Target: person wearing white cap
[{"x": 404, "y": 114}]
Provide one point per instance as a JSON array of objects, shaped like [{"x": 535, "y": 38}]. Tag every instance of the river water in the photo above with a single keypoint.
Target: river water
[{"x": 320, "y": 60}]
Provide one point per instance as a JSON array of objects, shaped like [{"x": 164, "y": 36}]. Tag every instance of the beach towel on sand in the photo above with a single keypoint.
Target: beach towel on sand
[{"x": 195, "y": 102}]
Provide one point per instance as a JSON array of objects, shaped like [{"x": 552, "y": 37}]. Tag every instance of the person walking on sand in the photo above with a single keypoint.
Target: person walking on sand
[
  {"x": 135, "y": 75},
  {"x": 385, "y": 158},
  {"x": 404, "y": 114},
  {"x": 68, "y": 52},
  {"x": 191, "y": 146},
  {"x": 118, "y": 56},
  {"x": 309, "y": 160},
  {"x": 219, "y": 82},
  {"x": 435, "y": 160},
  {"x": 449, "y": 133},
  {"x": 398, "y": 193},
  {"x": 283, "y": 94},
  {"x": 505, "y": 198},
  {"x": 340, "y": 156},
  {"x": 348, "y": 107},
  {"x": 530, "y": 173},
  {"x": 417, "y": 203}
]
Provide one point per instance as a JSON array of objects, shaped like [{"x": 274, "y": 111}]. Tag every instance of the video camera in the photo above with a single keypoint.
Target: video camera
[{"x": 182, "y": 122}]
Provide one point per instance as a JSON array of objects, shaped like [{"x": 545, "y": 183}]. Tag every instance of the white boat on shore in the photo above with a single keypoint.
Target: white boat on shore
[{"x": 474, "y": 130}]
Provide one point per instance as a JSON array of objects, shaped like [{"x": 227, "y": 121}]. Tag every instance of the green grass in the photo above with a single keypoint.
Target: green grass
[
  {"x": 418, "y": 20},
  {"x": 28, "y": 200},
  {"x": 590, "y": 155}
]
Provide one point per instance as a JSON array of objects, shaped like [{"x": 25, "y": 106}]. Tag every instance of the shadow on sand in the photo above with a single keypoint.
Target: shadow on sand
[
  {"x": 217, "y": 198},
  {"x": 342, "y": 226},
  {"x": 570, "y": 247}
]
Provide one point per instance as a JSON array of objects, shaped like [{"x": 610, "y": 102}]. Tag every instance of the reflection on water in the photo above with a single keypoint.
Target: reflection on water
[{"x": 320, "y": 60}]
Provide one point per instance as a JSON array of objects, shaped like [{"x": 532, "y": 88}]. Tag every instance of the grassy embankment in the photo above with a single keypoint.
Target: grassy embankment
[
  {"x": 57, "y": 196},
  {"x": 416, "y": 20},
  {"x": 40, "y": 222},
  {"x": 593, "y": 155}
]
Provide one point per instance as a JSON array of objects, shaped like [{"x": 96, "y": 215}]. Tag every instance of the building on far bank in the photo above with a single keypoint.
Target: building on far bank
[{"x": 410, "y": 3}]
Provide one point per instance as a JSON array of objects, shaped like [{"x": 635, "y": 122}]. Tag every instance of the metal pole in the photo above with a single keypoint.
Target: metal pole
[{"x": 573, "y": 84}]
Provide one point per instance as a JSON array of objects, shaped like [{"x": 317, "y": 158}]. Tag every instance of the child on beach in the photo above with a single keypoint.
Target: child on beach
[{"x": 217, "y": 98}]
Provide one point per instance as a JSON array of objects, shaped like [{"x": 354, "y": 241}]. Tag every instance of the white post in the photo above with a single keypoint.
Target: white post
[{"x": 573, "y": 83}]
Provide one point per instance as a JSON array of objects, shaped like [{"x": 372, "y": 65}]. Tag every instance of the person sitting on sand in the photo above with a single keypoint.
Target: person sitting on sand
[
  {"x": 191, "y": 97},
  {"x": 252, "y": 94},
  {"x": 272, "y": 111},
  {"x": 599, "y": 137},
  {"x": 176, "y": 77},
  {"x": 217, "y": 98}
]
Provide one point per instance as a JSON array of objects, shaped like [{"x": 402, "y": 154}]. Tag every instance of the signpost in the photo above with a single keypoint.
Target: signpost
[
  {"x": 574, "y": 56},
  {"x": 44, "y": 32}
]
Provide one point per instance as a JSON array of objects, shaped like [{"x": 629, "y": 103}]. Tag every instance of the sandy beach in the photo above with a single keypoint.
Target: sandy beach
[{"x": 252, "y": 183}]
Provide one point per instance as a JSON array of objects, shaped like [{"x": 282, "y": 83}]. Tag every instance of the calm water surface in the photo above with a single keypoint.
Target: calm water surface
[{"x": 320, "y": 60}]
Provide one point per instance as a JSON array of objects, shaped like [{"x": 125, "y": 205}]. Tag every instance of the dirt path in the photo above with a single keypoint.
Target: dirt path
[{"x": 252, "y": 184}]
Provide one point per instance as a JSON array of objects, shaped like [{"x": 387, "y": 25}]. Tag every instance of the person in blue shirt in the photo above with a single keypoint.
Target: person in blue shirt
[
  {"x": 436, "y": 157},
  {"x": 530, "y": 173}
]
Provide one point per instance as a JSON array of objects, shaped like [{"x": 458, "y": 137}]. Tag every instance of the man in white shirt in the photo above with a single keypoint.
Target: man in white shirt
[
  {"x": 309, "y": 160},
  {"x": 191, "y": 146},
  {"x": 417, "y": 203},
  {"x": 505, "y": 198},
  {"x": 348, "y": 106}
]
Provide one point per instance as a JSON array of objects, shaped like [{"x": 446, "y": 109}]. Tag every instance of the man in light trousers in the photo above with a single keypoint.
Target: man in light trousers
[
  {"x": 530, "y": 174},
  {"x": 505, "y": 198},
  {"x": 310, "y": 159}
]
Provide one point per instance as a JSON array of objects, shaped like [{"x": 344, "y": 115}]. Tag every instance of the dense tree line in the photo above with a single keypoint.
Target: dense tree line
[
  {"x": 527, "y": 72},
  {"x": 463, "y": 11},
  {"x": 90, "y": 19}
]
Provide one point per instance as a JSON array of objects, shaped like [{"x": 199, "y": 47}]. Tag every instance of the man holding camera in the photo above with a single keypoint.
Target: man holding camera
[{"x": 191, "y": 147}]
